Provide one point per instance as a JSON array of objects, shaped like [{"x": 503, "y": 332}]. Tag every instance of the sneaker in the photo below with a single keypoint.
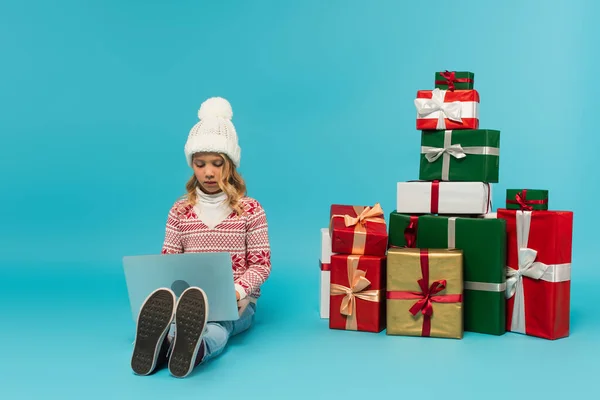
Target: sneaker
[
  {"x": 154, "y": 321},
  {"x": 191, "y": 317}
]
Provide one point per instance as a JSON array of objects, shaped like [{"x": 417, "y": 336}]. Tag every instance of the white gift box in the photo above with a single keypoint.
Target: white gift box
[
  {"x": 425, "y": 197},
  {"x": 324, "y": 263}
]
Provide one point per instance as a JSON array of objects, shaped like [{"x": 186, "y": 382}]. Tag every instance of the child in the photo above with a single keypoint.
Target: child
[{"x": 214, "y": 216}]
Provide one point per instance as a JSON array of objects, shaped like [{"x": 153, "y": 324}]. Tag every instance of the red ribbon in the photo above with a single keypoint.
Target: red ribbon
[
  {"x": 435, "y": 196},
  {"x": 521, "y": 200},
  {"x": 451, "y": 79},
  {"x": 325, "y": 266},
  {"x": 410, "y": 233},
  {"x": 427, "y": 296}
]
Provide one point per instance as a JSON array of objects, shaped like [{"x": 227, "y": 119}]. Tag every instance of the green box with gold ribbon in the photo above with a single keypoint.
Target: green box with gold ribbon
[
  {"x": 465, "y": 155},
  {"x": 483, "y": 243}
]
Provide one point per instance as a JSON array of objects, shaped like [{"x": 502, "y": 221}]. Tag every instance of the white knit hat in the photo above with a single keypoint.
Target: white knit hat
[{"x": 214, "y": 132}]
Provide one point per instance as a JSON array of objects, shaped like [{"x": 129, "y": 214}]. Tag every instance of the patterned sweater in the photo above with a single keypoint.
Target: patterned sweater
[{"x": 245, "y": 237}]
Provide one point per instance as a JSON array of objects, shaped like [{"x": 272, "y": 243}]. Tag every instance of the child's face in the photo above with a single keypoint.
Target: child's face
[{"x": 208, "y": 168}]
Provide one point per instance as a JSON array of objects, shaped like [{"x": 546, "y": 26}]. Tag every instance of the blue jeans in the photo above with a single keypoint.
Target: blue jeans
[{"x": 217, "y": 334}]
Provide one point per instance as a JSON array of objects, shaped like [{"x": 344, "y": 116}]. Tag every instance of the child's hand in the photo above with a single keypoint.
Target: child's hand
[{"x": 242, "y": 304}]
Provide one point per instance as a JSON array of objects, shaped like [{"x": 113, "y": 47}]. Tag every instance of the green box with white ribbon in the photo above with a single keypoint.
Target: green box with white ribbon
[
  {"x": 483, "y": 242},
  {"x": 466, "y": 155}
]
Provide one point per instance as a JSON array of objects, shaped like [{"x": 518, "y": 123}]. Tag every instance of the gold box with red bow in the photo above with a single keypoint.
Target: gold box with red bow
[
  {"x": 358, "y": 230},
  {"x": 357, "y": 293},
  {"x": 425, "y": 292},
  {"x": 442, "y": 109}
]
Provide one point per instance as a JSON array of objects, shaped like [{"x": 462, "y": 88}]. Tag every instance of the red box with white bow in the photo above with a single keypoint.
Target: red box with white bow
[
  {"x": 446, "y": 110},
  {"x": 539, "y": 245}
]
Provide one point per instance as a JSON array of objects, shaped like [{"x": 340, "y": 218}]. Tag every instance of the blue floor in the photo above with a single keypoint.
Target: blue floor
[{"x": 67, "y": 334}]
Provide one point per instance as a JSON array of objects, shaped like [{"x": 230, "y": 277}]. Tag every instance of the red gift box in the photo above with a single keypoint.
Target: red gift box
[
  {"x": 539, "y": 272},
  {"x": 445, "y": 110},
  {"x": 358, "y": 230},
  {"x": 357, "y": 294}
]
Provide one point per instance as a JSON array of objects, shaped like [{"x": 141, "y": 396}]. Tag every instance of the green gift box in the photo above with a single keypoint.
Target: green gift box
[
  {"x": 526, "y": 199},
  {"x": 454, "y": 80},
  {"x": 466, "y": 155},
  {"x": 402, "y": 230},
  {"x": 483, "y": 242}
]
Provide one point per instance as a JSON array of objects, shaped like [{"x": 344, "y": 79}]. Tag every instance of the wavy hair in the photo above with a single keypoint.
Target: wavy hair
[{"x": 231, "y": 183}]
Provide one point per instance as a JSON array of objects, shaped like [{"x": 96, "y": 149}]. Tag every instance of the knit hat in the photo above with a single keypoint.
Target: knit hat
[{"x": 214, "y": 132}]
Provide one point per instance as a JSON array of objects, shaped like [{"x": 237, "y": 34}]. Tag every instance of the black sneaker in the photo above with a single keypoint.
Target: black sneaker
[
  {"x": 154, "y": 321},
  {"x": 191, "y": 316}
]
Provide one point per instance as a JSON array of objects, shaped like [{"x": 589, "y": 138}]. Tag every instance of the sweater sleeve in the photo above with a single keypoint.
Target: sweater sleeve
[
  {"x": 172, "y": 243},
  {"x": 258, "y": 253}
]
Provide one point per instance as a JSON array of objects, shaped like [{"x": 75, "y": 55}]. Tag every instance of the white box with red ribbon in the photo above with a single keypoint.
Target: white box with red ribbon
[{"x": 433, "y": 197}]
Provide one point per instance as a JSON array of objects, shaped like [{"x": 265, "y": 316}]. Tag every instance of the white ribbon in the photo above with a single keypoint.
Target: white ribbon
[
  {"x": 485, "y": 286},
  {"x": 436, "y": 107},
  {"x": 456, "y": 151},
  {"x": 433, "y": 153},
  {"x": 452, "y": 233},
  {"x": 530, "y": 268}
]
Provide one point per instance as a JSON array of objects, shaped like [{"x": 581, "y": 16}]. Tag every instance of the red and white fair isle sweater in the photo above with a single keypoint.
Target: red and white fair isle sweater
[{"x": 212, "y": 227}]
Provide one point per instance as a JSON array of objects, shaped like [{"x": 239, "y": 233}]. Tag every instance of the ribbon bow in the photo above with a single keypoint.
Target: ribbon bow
[
  {"x": 454, "y": 150},
  {"x": 366, "y": 215},
  {"x": 521, "y": 199},
  {"x": 424, "y": 304},
  {"x": 358, "y": 284},
  {"x": 451, "y": 110},
  {"x": 450, "y": 78},
  {"x": 527, "y": 267}
]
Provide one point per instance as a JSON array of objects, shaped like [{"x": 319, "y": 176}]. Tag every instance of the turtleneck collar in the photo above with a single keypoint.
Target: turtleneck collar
[
  {"x": 212, "y": 209},
  {"x": 215, "y": 198}
]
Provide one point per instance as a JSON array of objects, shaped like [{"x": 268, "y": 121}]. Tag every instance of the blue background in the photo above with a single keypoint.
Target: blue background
[{"x": 97, "y": 98}]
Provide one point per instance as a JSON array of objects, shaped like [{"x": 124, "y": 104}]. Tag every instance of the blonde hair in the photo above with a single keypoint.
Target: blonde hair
[{"x": 231, "y": 183}]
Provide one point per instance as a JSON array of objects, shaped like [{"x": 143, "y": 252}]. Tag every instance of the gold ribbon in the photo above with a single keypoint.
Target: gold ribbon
[
  {"x": 368, "y": 214},
  {"x": 358, "y": 283}
]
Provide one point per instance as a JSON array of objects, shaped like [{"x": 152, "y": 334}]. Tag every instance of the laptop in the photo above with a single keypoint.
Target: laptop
[{"x": 212, "y": 272}]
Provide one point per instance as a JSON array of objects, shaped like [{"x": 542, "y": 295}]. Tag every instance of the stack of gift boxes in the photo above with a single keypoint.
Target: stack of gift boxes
[
  {"x": 447, "y": 264},
  {"x": 353, "y": 274}
]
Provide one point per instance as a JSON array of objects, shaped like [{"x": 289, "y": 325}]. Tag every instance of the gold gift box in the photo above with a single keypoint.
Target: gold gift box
[{"x": 404, "y": 269}]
